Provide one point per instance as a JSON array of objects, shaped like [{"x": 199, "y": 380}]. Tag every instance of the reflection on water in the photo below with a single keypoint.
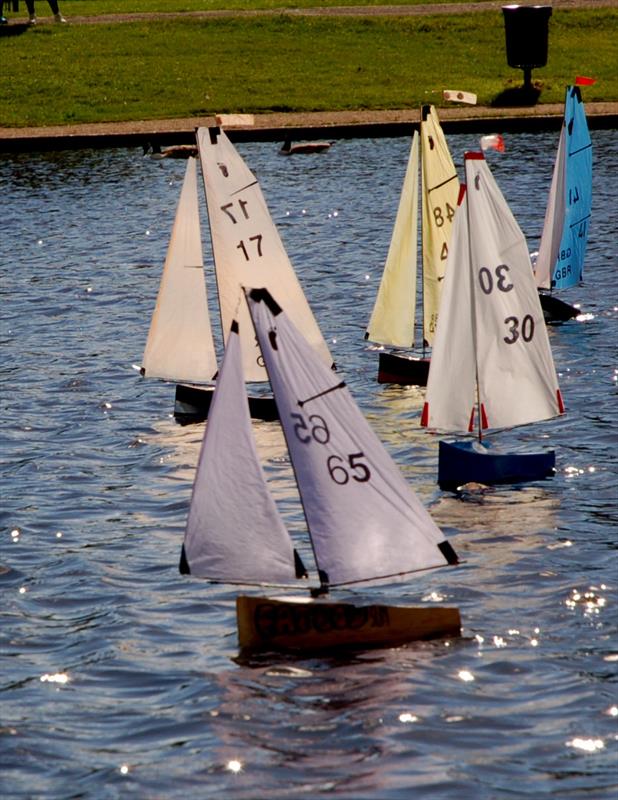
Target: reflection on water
[{"x": 121, "y": 677}]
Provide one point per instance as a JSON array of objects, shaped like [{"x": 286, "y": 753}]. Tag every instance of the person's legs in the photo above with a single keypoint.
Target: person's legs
[
  {"x": 53, "y": 4},
  {"x": 30, "y": 7}
]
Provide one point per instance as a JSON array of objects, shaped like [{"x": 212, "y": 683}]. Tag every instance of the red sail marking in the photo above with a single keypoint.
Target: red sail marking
[
  {"x": 560, "y": 401},
  {"x": 425, "y": 416}
]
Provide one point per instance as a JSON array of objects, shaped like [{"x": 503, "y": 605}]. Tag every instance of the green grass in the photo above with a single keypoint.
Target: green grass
[{"x": 183, "y": 68}]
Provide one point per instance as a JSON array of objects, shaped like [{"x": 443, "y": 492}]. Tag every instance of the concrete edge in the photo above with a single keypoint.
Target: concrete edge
[{"x": 274, "y": 127}]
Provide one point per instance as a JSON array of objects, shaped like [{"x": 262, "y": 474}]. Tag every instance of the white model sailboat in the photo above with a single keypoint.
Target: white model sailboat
[
  {"x": 246, "y": 247},
  {"x": 364, "y": 522},
  {"x": 392, "y": 321},
  {"x": 560, "y": 260},
  {"x": 491, "y": 363}
]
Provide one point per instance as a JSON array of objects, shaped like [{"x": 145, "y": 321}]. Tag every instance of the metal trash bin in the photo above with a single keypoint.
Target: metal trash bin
[{"x": 527, "y": 32}]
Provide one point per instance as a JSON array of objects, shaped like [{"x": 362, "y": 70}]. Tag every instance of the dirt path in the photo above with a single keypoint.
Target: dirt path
[{"x": 378, "y": 10}]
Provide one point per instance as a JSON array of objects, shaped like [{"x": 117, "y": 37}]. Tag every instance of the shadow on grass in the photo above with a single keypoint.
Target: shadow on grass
[
  {"x": 518, "y": 96},
  {"x": 14, "y": 29}
]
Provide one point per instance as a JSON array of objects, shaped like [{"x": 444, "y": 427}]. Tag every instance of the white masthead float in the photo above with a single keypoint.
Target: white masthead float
[
  {"x": 491, "y": 365},
  {"x": 364, "y": 522}
]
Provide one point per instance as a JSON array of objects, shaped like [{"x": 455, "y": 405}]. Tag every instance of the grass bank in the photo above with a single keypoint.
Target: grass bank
[{"x": 188, "y": 67}]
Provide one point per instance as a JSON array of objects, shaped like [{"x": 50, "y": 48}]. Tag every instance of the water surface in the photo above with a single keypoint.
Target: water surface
[{"x": 120, "y": 677}]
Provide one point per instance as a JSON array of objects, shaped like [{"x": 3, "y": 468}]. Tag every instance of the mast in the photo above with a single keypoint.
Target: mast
[{"x": 440, "y": 190}]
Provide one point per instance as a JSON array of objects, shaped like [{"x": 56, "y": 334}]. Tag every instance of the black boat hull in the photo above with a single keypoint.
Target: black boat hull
[
  {"x": 402, "y": 369},
  {"x": 192, "y": 404}
]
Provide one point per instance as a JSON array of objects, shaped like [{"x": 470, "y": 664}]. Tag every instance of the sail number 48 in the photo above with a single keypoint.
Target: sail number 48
[{"x": 340, "y": 468}]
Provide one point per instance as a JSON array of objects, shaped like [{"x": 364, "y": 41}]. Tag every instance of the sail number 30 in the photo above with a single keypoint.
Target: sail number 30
[
  {"x": 340, "y": 468},
  {"x": 523, "y": 328}
]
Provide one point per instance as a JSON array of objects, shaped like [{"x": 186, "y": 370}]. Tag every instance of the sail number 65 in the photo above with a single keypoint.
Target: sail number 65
[{"x": 354, "y": 468}]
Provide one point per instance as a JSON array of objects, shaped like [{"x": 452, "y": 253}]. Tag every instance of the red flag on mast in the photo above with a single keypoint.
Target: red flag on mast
[{"x": 581, "y": 80}]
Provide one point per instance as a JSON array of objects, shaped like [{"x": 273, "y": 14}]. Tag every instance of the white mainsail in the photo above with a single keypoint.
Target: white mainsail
[
  {"x": 364, "y": 520},
  {"x": 440, "y": 190},
  {"x": 494, "y": 319},
  {"x": 247, "y": 248},
  {"x": 553, "y": 225},
  {"x": 180, "y": 344},
  {"x": 392, "y": 319},
  {"x": 234, "y": 532}
]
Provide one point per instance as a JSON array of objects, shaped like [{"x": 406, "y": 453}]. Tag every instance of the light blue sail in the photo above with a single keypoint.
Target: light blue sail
[{"x": 569, "y": 266}]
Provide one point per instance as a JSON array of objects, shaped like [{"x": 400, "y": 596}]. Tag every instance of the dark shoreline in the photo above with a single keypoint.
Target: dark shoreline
[{"x": 275, "y": 127}]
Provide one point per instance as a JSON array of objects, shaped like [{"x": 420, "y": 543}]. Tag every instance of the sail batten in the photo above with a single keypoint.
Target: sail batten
[
  {"x": 363, "y": 519},
  {"x": 247, "y": 248},
  {"x": 180, "y": 344}
]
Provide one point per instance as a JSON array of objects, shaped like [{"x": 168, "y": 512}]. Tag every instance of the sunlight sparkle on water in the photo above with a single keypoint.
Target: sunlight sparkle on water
[
  {"x": 407, "y": 717},
  {"x": 465, "y": 675},
  {"x": 589, "y": 600},
  {"x": 612, "y": 711},
  {"x": 57, "y": 677},
  {"x": 433, "y": 597},
  {"x": 589, "y": 745},
  {"x": 234, "y": 766},
  {"x": 124, "y": 769}
]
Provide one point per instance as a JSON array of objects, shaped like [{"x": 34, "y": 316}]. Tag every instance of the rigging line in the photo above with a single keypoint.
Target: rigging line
[
  {"x": 341, "y": 385},
  {"x": 439, "y": 185},
  {"x": 393, "y": 575},
  {"x": 242, "y": 188}
]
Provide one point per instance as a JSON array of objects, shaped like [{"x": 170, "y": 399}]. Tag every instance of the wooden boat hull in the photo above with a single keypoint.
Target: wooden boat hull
[
  {"x": 192, "y": 404},
  {"x": 307, "y": 625},
  {"x": 467, "y": 462},
  {"x": 556, "y": 310},
  {"x": 402, "y": 369}
]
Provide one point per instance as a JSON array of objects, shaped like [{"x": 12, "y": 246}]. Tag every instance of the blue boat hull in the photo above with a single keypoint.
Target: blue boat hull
[{"x": 469, "y": 462}]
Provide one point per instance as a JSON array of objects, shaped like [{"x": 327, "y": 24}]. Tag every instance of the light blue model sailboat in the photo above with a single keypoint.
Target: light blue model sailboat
[{"x": 560, "y": 262}]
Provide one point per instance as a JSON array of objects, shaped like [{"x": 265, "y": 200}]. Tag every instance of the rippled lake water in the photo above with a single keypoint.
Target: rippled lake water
[{"x": 120, "y": 677}]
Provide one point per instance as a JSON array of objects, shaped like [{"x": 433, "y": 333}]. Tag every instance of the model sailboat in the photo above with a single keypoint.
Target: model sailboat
[
  {"x": 392, "y": 321},
  {"x": 491, "y": 364},
  {"x": 560, "y": 260},
  {"x": 246, "y": 247},
  {"x": 364, "y": 522}
]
